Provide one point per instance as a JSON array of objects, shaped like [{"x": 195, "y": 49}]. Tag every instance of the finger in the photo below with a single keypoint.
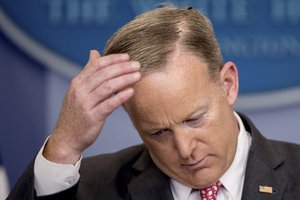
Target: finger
[
  {"x": 96, "y": 63},
  {"x": 111, "y": 72},
  {"x": 112, "y": 59},
  {"x": 109, "y": 105},
  {"x": 112, "y": 86}
]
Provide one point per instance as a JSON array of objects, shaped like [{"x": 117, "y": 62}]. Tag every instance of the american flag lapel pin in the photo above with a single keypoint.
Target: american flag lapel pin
[{"x": 266, "y": 189}]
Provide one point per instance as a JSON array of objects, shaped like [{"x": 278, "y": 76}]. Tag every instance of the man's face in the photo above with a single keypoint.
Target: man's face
[{"x": 186, "y": 119}]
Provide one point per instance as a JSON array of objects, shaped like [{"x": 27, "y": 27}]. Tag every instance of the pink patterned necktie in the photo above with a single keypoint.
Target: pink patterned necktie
[{"x": 210, "y": 193}]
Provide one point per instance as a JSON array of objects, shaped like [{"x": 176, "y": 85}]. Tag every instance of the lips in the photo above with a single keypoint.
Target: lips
[{"x": 196, "y": 165}]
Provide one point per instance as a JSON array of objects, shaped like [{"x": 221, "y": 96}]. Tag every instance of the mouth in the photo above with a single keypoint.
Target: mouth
[{"x": 201, "y": 164}]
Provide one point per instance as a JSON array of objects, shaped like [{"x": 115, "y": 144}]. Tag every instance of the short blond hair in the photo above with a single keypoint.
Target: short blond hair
[{"x": 154, "y": 35}]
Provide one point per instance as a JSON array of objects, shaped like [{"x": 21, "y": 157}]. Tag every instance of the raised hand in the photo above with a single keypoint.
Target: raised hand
[{"x": 102, "y": 86}]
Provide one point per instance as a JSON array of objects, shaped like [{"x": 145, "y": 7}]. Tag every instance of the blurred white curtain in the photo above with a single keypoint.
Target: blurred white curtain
[{"x": 4, "y": 186}]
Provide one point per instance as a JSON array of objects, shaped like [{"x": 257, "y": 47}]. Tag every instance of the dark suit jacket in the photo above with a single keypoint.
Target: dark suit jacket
[{"x": 131, "y": 174}]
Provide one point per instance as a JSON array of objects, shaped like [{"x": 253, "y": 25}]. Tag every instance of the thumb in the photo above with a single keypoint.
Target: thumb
[{"x": 94, "y": 54}]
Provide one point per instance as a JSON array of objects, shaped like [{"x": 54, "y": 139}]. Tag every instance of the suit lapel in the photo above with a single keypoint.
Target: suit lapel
[
  {"x": 263, "y": 168},
  {"x": 151, "y": 183}
]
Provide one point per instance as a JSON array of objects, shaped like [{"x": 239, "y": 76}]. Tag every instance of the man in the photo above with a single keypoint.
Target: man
[{"x": 166, "y": 69}]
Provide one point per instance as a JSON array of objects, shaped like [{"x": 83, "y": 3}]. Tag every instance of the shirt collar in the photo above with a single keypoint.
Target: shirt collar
[
  {"x": 179, "y": 190},
  {"x": 233, "y": 179}
]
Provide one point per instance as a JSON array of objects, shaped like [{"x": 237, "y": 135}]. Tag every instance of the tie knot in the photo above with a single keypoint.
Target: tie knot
[{"x": 210, "y": 193}]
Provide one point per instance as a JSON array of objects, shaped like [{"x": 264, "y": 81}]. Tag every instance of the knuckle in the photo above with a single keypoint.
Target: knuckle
[
  {"x": 127, "y": 79},
  {"x": 104, "y": 74},
  {"x": 76, "y": 87},
  {"x": 107, "y": 107},
  {"x": 108, "y": 88},
  {"x": 85, "y": 107},
  {"x": 74, "y": 82},
  {"x": 102, "y": 62},
  {"x": 76, "y": 92},
  {"x": 120, "y": 98},
  {"x": 75, "y": 96},
  {"x": 89, "y": 114}
]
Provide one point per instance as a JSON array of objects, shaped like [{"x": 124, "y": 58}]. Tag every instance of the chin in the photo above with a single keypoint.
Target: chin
[
  {"x": 199, "y": 181},
  {"x": 194, "y": 182},
  {"x": 200, "y": 185}
]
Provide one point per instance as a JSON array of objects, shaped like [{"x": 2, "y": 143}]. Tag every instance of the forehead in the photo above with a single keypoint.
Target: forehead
[
  {"x": 181, "y": 71},
  {"x": 173, "y": 93}
]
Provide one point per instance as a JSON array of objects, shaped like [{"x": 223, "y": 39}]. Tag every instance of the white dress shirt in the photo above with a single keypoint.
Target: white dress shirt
[{"x": 51, "y": 177}]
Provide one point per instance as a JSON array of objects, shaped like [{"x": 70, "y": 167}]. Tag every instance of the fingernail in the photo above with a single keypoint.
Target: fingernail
[
  {"x": 135, "y": 65},
  {"x": 91, "y": 51},
  {"x": 124, "y": 56},
  {"x": 94, "y": 53}
]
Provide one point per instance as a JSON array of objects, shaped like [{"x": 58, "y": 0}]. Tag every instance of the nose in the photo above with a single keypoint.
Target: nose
[{"x": 184, "y": 143}]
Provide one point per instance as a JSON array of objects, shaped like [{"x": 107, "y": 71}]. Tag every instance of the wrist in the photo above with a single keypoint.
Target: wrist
[{"x": 56, "y": 150}]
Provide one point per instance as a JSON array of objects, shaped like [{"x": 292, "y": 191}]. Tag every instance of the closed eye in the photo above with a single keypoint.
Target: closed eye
[
  {"x": 159, "y": 133},
  {"x": 195, "y": 121}
]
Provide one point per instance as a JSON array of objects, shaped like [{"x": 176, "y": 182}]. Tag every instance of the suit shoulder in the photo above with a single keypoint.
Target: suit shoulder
[
  {"x": 287, "y": 148},
  {"x": 291, "y": 154}
]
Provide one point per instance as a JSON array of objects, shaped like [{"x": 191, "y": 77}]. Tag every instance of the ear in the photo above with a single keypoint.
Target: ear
[{"x": 230, "y": 82}]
